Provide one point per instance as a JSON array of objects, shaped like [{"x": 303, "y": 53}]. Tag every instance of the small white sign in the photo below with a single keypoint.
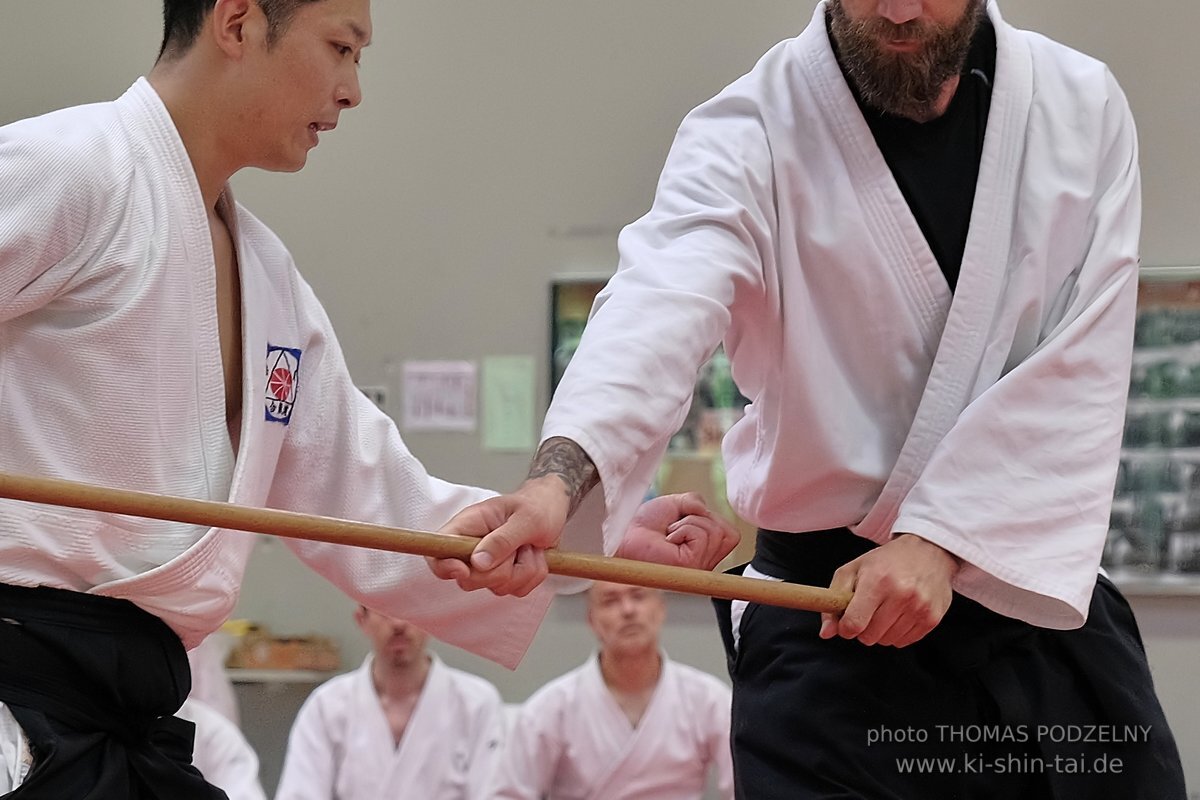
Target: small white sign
[{"x": 439, "y": 396}]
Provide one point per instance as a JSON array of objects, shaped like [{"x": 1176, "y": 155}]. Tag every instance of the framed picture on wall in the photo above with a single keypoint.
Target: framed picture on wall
[
  {"x": 716, "y": 402},
  {"x": 570, "y": 303},
  {"x": 1154, "y": 531}
]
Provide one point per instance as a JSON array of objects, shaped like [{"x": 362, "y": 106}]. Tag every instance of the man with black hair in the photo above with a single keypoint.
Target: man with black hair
[
  {"x": 915, "y": 228},
  {"x": 184, "y": 19},
  {"x": 126, "y": 266}
]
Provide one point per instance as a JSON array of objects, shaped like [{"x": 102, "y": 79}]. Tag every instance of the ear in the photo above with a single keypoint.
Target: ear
[{"x": 235, "y": 23}]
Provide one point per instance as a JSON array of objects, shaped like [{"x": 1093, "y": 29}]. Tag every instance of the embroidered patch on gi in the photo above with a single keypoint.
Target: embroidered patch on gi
[{"x": 283, "y": 380}]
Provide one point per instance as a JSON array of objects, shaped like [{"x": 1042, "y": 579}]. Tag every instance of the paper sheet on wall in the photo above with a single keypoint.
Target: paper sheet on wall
[
  {"x": 508, "y": 397},
  {"x": 439, "y": 396}
]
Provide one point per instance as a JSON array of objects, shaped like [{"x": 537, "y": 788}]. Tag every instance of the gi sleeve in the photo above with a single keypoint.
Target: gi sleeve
[
  {"x": 343, "y": 457},
  {"x": 311, "y": 763},
  {"x": 719, "y": 756},
  {"x": 52, "y": 218},
  {"x": 699, "y": 254},
  {"x": 222, "y": 754},
  {"x": 487, "y": 745},
  {"x": 1021, "y": 486},
  {"x": 532, "y": 751}
]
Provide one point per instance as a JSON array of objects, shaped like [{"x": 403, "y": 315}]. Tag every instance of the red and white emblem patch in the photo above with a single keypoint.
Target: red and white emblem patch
[{"x": 283, "y": 381}]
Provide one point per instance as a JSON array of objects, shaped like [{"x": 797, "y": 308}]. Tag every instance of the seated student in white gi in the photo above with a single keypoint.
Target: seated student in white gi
[
  {"x": 630, "y": 724},
  {"x": 157, "y": 336},
  {"x": 210, "y": 682},
  {"x": 402, "y": 725},
  {"x": 221, "y": 752}
]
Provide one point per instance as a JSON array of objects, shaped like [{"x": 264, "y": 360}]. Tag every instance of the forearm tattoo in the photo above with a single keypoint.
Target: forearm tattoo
[{"x": 564, "y": 458}]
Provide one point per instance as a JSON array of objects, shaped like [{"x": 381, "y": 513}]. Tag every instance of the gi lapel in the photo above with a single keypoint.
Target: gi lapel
[
  {"x": 640, "y": 752},
  {"x": 982, "y": 279},
  {"x": 264, "y": 322},
  {"x": 416, "y": 766},
  {"x": 886, "y": 213},
  {"x": 369, "y": 752}
]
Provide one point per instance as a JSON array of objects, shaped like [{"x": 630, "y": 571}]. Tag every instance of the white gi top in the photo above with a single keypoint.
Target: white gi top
[
  {"x": 988, "y": 422},
  {"x": 110, "y": 373},
  {"x": 341, "y": 744},
  {"x": 221, "y": 752},
  {"x": 572, "y": 741}
]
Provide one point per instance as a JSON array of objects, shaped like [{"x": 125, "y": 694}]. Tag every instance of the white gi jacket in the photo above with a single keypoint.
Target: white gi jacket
[
  {"x": 988, "y": 422},
  {"x": 341, "y": 745},
  {"x": 222, "y": 754},
  {"x": 110, "y": 373},
  {"x": 572, "y": 741},
  {"x": 210, "y": 682}
]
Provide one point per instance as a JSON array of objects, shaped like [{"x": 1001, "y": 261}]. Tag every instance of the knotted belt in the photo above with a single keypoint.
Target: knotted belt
[{"x": 93, "y": 681}]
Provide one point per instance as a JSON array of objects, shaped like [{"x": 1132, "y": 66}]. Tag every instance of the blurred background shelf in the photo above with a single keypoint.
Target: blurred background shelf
[
  {"x": 1140, "y": 584},
  {"x": 306, "y": 676}
]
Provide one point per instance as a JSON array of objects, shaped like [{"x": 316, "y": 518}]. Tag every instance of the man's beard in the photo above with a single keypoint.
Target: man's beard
[{"x": 905, "y": 84}]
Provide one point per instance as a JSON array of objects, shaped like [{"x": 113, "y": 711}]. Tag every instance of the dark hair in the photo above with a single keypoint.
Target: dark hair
[{"x": 183, "y": 19}]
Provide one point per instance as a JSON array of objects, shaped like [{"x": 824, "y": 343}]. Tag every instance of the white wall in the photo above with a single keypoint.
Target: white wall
[{"x": 503, "y": 143}]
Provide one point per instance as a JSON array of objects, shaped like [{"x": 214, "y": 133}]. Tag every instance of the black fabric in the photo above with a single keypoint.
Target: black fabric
[
  {"x": 936, "y": 163},
  {"x": 93, "y": 682},
  {"x": 992, "y": 696}
]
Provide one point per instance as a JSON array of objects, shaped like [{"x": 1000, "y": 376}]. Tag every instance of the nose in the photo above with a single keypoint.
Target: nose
[
  {"x": 349, "y": 93},
  {"x": 900, "y": 11}
]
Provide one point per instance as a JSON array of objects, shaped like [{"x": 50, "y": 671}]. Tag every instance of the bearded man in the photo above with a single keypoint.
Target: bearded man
[{"x": 915, "y": 229}]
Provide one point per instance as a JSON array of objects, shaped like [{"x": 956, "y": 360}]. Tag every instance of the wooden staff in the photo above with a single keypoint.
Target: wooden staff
[{"x": 293, "y": 525}]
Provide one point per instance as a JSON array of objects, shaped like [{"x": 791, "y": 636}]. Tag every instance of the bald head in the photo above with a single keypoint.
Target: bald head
[
  {"x": 625, "y": 619},
  {"x": 395, "y": 642}
]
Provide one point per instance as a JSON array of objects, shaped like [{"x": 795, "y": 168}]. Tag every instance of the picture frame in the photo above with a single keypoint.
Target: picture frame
[
  {"x": 717, "y": 403},
  {"x": 1153, "y": 545},
  {"x": 571, "y": 298}
]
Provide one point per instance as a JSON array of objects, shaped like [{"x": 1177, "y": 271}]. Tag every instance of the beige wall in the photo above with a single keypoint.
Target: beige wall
[{"x": 502, "y": 143}]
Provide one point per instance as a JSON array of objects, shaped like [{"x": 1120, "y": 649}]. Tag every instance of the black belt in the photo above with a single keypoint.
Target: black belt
[
  {"x": 810, "y": 557},
  {"x": 93, "y": 681}
]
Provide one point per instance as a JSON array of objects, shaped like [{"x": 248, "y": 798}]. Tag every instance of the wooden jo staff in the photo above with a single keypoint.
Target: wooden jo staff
[{"x": 293, "y": 525}]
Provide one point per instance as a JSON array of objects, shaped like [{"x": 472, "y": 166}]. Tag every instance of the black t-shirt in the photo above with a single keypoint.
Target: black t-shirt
[{"x": 936, "y": 163}]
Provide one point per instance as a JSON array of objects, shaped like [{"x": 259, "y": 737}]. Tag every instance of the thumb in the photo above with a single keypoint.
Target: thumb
[
  {"x": 477, "y": 520},
  {"x": 497, "y": 547},
  {"x": 693, "y": 503},
  {"x": 843, "y": 580}
]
